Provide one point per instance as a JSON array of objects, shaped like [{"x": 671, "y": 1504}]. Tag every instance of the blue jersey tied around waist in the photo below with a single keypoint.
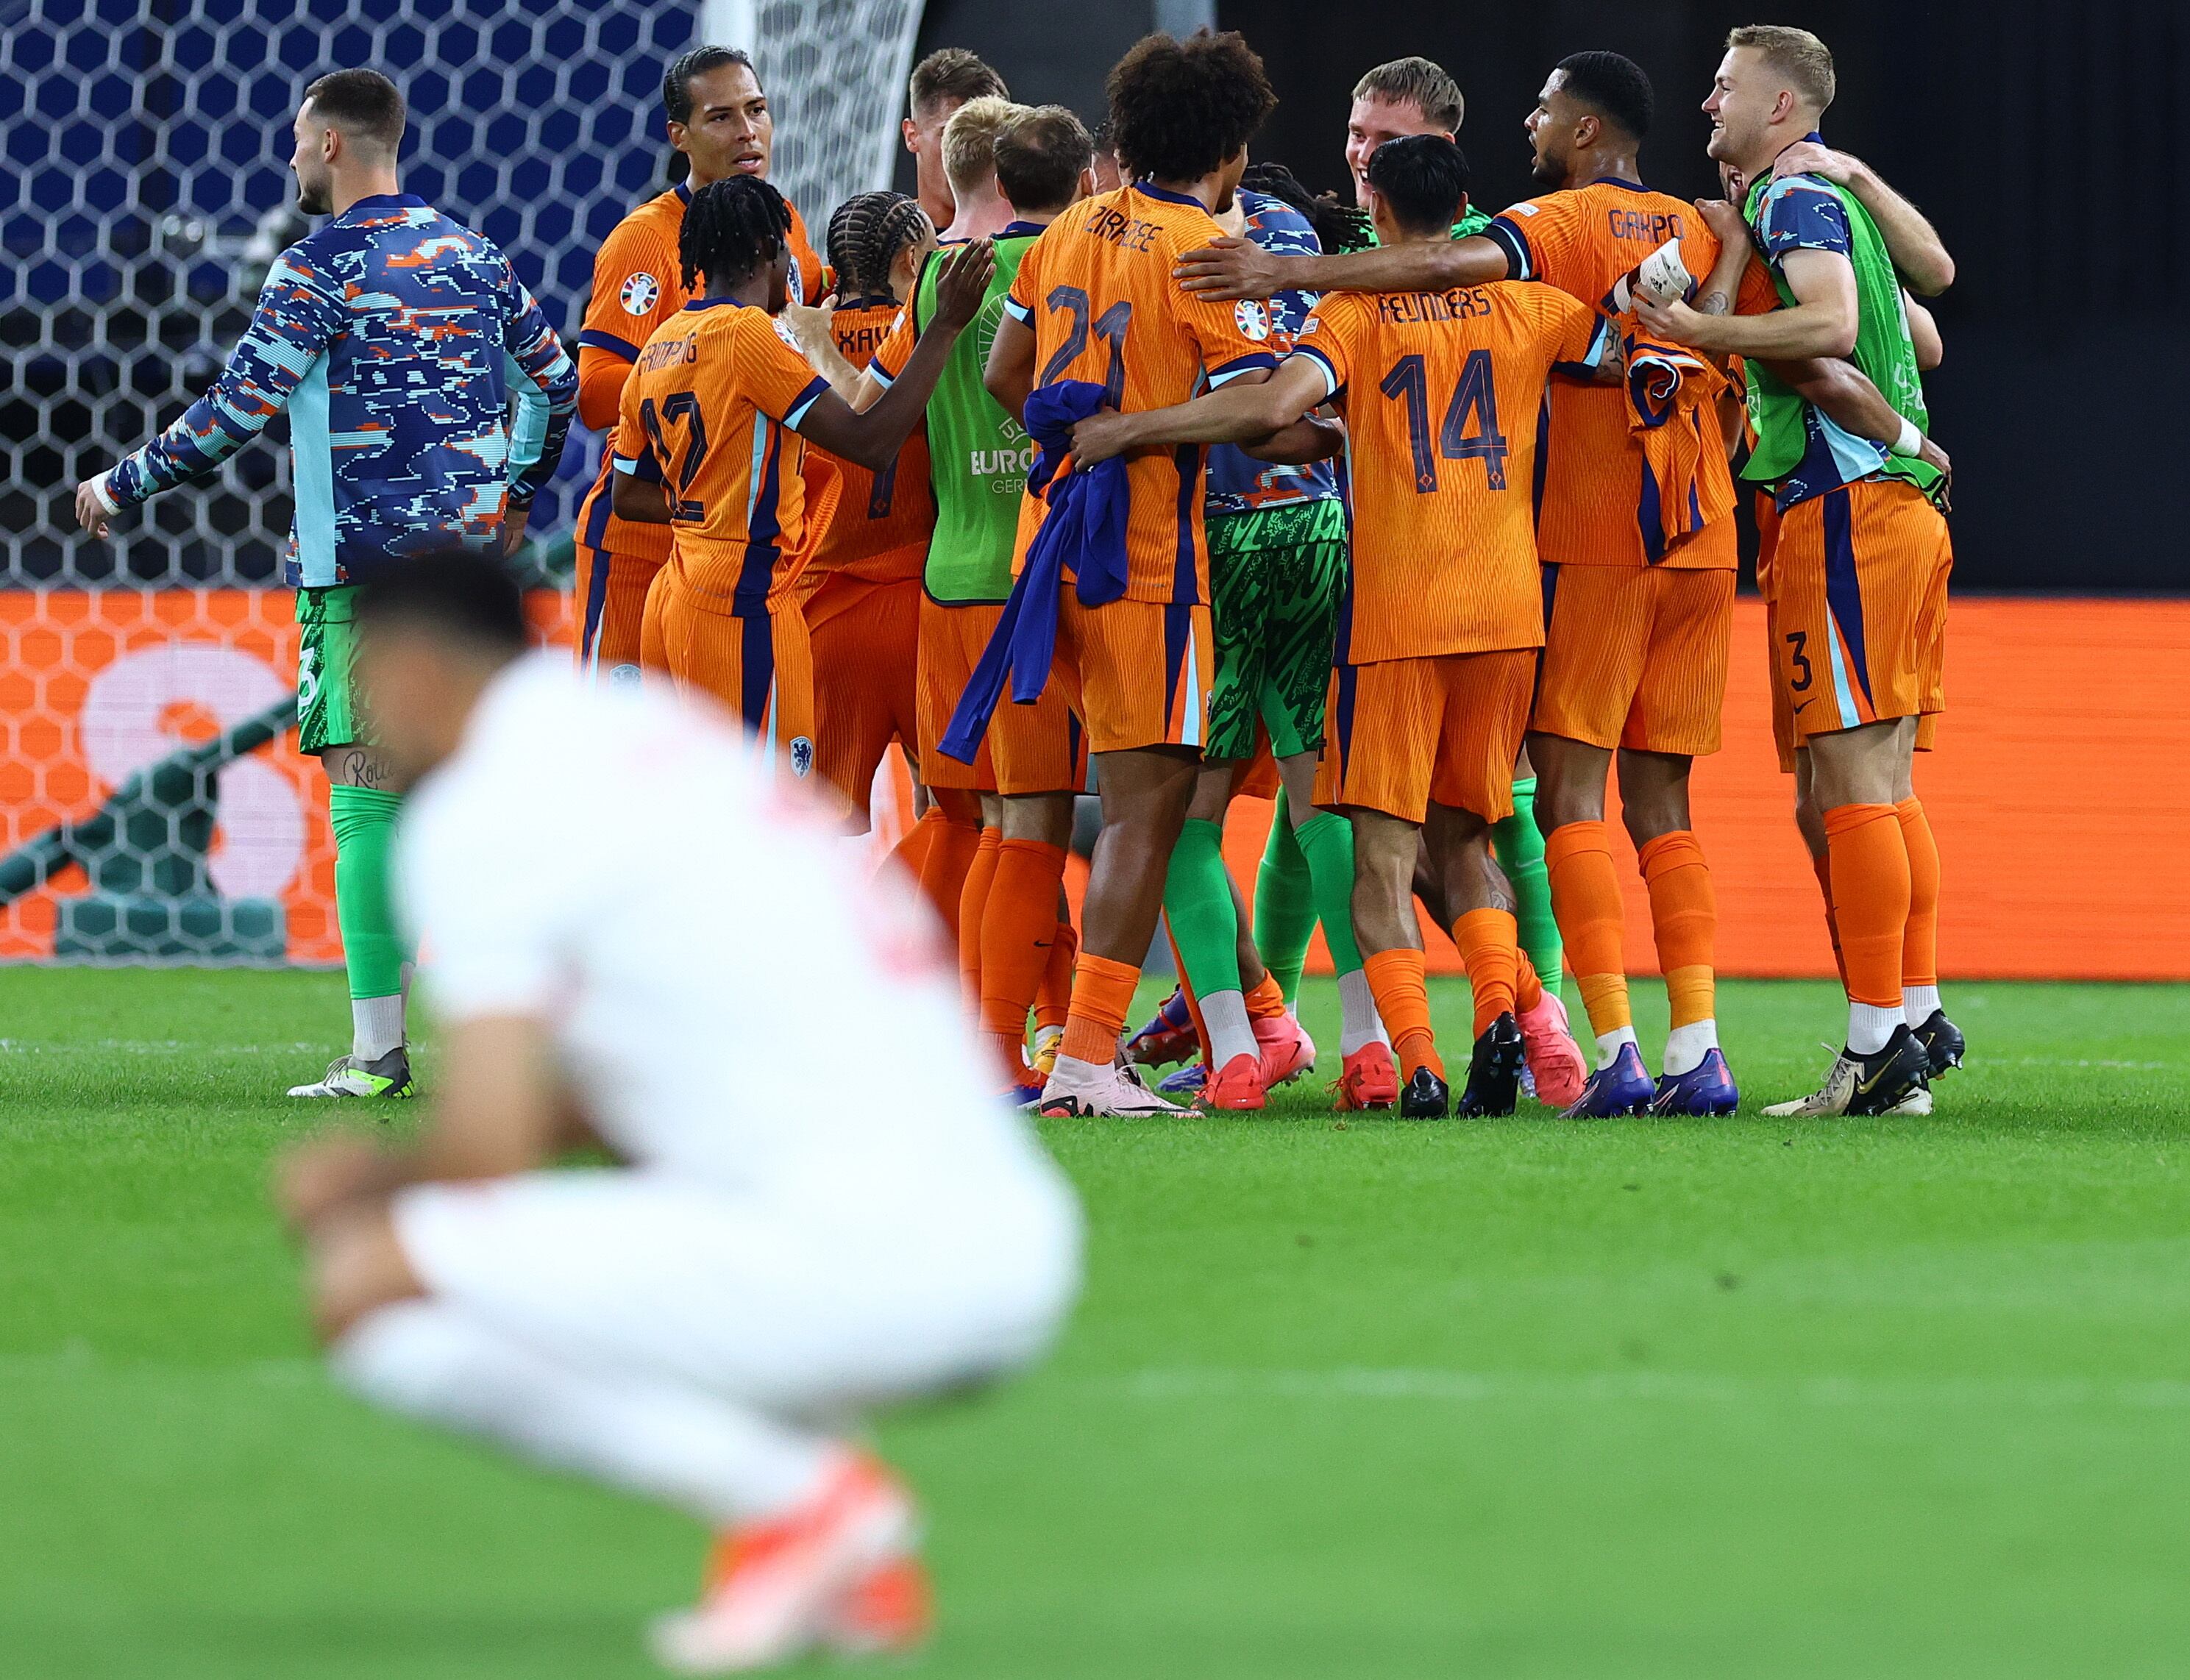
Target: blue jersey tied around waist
[{"x": 1084, "y": 533}]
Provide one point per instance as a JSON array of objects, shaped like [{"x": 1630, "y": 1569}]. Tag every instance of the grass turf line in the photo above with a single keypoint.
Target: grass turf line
[{"x": 1520, "y": 1398}]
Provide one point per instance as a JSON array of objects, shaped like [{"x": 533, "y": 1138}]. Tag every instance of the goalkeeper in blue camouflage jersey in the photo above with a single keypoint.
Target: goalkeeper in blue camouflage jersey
[{"x": 396, "y": 340}]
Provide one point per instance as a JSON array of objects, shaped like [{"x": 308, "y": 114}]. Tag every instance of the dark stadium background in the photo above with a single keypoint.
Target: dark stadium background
[{"x": 2036, "y": 135}]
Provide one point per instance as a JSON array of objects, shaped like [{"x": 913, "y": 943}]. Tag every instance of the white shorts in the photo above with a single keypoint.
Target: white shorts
[{"x": 813, "y": 1313}]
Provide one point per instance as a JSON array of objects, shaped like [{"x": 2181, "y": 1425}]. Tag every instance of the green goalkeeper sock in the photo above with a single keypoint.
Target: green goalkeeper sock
[
  {"x": 1197, "y": 904},
  {"x": 1520, "y": 848},
  {"x": 364, "y": 821},
  {"x": 1284, "y": 904},
  {"x": 1326, "y": 841}
]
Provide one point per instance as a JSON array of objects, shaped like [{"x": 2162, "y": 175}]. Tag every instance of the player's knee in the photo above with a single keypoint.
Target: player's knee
[{"x": 358, "y": 1266}]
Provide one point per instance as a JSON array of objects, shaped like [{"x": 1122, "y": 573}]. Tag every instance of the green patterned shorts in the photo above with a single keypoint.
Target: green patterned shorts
[
  {"x": 327, "y": 713},
  {"x": 1276, "y": 577}
]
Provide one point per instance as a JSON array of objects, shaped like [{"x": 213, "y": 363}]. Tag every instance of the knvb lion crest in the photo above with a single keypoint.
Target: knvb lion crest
[{"x": 801, "y": 757}]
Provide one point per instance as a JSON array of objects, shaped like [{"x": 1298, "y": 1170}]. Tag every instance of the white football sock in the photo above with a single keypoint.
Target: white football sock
[
  {"x": 1360, "y": 1024},
  {"x": 1608, "y": 1043},
  {"x": 1917, "y": 1003},
  {"x": 1687, "y": 1046},
  {"x": 719, "y": 1461},
  {"x": 1869, "y": 1027},
  {"x": 375, "y": 1025},
  {"x": 1230, "y": 1033}
]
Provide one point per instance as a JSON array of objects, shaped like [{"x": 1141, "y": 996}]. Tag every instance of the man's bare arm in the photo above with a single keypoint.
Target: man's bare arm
[
  {"x": 1924, "y": 334},
  {"x": 641, "y": 501},
  {"x": 1252, "y": 409},
  {"x": 809, "y": 326},
  {"x": 1911, "y": 241},
  {"x": 1239, "y": 268},
  {"x": 1823, "y": 321}
]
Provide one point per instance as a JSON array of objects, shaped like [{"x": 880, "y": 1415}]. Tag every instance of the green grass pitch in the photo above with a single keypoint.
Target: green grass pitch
[{"x": 1698, "y": 1399}]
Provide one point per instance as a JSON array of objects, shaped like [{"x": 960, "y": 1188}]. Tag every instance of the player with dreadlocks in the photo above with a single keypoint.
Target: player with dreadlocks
[
  {"x": 862, "y": 607},
  {"x": 712, "y": 442},
  {"x": 718, "y": 119}
]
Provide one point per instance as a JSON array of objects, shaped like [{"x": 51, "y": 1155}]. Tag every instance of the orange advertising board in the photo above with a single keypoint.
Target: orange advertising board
[{"x": 2059, "y": 793}]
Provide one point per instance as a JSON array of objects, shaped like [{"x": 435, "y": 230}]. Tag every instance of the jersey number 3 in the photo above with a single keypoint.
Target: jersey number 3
[{"x": 1474, "y": 397}]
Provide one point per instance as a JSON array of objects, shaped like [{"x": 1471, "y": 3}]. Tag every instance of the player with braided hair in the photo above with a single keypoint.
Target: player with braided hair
[
  {"x": 719, "y": 121},
  {"x": 863, "y": 606},
  {"x": 712, "y": 441}
]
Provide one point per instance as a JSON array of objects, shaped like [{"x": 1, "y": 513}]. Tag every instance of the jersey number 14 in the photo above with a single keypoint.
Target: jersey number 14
[{"x": 1474, "y": 398}]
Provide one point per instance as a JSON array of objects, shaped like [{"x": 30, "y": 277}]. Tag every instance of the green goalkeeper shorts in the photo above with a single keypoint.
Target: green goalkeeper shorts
[
  {"x": 1276, "y": 577},
  {"x": 327, "y": 711}
]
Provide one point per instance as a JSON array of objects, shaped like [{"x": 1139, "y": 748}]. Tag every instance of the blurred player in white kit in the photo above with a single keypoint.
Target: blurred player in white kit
[{"x": 702, "y": 1322}]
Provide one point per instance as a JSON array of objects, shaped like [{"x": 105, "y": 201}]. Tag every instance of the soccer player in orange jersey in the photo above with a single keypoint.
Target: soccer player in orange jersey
[
  {"x": 1437, "y": 644},
  {"x": 712, "y": 441},
  {"x": 862, "y": 604},
  {"x": 1094, "y": 303},
  {"x": 718, "y": 119},
  {"x": 1862, "y": 553}
]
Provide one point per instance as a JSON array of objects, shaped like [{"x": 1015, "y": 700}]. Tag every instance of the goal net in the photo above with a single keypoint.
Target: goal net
[{"x": 152, "y": 807}]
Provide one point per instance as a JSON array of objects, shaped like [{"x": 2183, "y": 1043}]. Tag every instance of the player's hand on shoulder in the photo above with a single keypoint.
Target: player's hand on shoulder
[
  {"x": 1807, "y": 157},
  {"x": 1671, "y": 323},
  {"x": 1228, "y": 269},
  {"x": 963, "y": 283},
  {"x": 1103, "y": 436},
  {"x": 810, "y": 324},
  {"x": 1724, "y": 219},
  {"x": 91, "y": 509}
]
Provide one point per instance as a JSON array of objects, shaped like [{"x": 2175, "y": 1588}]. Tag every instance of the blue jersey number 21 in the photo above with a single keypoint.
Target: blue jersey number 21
[{"x": 1110, "y": 326}]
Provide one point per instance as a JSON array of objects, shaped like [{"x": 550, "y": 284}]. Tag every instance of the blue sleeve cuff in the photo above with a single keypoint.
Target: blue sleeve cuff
[
  {"x": 1018, "y": 311},
  {"x": 1331, "y": 383},
  {"x": 610, "y": 342},
  {"x": 804, "y": 401},
  {"x": 644, "y": 468},
  {"x": 1520, "y": 262},
  {"x": 1238, "y": 365}
]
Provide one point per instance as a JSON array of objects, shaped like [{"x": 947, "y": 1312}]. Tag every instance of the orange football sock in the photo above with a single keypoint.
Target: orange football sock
[
  {"x": 1822, "y": 862},
  {"x": 1102, "y": 995},
  {"x": 1528, "y": 986},
  {"x": 1870, "y": 896},
  {"x": 972, "y": 903},
  {"x": 1592, "y": 918},
  {"x": 1052, "y": 1001},
  {"x": 1489, "y": 942},
  {"x": 1684, "y": 916},
  {"x": 1397, "y": 981},
  {"x": 1017, "y": 928},
  {"x": 1266, "y": 1000},
  {"x": 942, "y": 871},
  {"x": 911, "y": 852},
  {"x": 1919, "y": 944}
]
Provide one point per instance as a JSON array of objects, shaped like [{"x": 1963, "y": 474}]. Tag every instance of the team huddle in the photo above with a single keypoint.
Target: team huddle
[
  {"x": 1107, "y": 459},
  {"x": 1419, "y": 519}
]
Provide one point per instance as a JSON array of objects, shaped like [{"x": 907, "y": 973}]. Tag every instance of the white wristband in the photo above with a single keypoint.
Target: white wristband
[
  {"x": 1910, "y": 442},
  {"x": 105, "y": 497}
]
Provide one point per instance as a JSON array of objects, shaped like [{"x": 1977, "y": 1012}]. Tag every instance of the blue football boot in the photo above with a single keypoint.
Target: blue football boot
[
  {"x": 1622, "y": 1087},
  {"x": 1706, "y": 1088}
]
